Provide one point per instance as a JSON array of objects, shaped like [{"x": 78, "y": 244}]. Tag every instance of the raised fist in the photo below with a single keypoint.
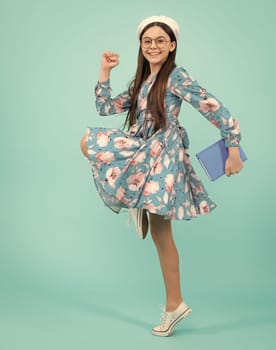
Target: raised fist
[{"x": 109, "y": 60}]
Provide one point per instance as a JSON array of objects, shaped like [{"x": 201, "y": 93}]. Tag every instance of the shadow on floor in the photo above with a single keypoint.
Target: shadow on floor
[
  {"x": 107, "y": 311},
  {"x": 254, "y": 320},
  {"x": 257, "y": 318}
]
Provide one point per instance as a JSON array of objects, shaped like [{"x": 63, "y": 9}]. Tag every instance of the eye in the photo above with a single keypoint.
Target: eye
[
  {"x": 146, "y": 41},
  {"x": 161, "y": 41}
]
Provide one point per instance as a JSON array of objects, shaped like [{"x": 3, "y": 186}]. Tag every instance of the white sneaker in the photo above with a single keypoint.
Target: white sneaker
[
  {"x": 170, "y": 319},
  {"x": 141, "y": 225}
]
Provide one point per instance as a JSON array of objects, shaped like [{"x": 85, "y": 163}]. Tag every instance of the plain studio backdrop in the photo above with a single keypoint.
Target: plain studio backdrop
[{"x": 73, "y": 274}]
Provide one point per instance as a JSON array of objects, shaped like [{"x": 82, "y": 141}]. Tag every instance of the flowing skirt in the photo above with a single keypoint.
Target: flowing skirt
[{"x": 140, "y": 168}]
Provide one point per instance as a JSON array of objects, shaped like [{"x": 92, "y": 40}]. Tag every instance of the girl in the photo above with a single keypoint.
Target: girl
[{"x": 147, "y": 168}]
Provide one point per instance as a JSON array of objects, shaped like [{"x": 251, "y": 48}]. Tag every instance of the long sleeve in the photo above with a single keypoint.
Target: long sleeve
[
  {"x": 105, "y": 104},
  {"x": 185, "y": 87}
]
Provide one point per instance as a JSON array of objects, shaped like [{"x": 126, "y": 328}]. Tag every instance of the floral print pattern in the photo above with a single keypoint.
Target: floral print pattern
[{"x": 150, "y": 169}]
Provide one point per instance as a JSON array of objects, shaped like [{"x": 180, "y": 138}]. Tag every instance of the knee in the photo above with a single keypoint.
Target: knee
[{"x": 83, "y": 145}]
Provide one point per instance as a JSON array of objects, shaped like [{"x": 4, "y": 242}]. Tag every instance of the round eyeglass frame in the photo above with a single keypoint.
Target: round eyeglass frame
[{"x": 163, "y": 44}]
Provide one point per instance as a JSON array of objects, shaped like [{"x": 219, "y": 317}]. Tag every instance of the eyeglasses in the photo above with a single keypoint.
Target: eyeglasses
[{"x": 160, "y": 42}]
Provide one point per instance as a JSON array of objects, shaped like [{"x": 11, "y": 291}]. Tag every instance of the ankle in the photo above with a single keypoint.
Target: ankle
[{"x": 172, "y": 306}]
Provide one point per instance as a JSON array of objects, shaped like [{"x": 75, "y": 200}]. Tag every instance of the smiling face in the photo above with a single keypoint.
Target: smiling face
[{"x": 156, "y": 46}]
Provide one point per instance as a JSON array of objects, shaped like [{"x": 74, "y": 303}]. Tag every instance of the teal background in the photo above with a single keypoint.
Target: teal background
[{"x": 73, "y": 275}]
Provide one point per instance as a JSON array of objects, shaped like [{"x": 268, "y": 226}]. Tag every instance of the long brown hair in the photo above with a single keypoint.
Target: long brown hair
[{"x": 156, "y": 97}]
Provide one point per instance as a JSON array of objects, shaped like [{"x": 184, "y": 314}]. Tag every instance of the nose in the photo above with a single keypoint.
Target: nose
[{"x": 153, "y": 43}]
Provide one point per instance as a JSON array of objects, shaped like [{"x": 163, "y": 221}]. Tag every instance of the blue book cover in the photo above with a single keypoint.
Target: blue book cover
[{"x": 213, "y": 159}]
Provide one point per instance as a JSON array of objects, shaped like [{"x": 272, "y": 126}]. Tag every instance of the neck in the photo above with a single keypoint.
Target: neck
[{"x": 154, "y": 68}]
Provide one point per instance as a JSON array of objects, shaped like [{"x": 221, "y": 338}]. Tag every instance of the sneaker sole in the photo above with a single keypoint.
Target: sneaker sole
[{"x": 169, "y": 331}]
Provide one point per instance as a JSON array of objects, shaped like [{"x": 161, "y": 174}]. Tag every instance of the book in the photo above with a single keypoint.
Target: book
[{"x": 213, "y": 158}]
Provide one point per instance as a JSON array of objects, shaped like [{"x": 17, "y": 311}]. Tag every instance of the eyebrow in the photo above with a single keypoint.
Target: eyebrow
[{"x": 147, "y": 37}]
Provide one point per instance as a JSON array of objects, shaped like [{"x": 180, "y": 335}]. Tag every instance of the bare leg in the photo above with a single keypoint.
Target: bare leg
[
  {"x": 83, "y": 146},
  {"x": 161, "y": 232}
]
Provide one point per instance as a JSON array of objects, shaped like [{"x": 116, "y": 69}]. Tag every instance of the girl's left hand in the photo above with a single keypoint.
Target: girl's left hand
[{"x": 233, "y": 164}]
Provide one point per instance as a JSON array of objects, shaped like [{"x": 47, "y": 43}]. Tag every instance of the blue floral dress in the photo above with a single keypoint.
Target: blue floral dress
[{"x": 150, "y": 169}]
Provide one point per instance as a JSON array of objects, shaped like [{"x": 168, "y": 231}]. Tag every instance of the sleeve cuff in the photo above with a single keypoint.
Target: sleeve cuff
[
  {"x": 103, "y": 84},
  {"x": 233, "y": 143}
]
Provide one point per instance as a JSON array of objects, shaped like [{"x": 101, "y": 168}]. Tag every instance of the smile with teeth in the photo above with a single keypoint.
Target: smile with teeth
[{"x": 153, "y": 53}]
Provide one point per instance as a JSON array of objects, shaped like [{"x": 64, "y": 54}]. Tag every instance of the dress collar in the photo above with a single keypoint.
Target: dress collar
[{"x": 150, "y": 79}]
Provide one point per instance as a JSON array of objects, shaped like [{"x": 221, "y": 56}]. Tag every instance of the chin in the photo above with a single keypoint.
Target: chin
[{"x": 156, "y": 59}]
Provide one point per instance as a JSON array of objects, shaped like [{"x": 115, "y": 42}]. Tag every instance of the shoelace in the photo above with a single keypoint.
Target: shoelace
[
  {"x": 164, "y": 315},
  {"x": 126, "y": 211},
  {"x": 130, "y": 218}
]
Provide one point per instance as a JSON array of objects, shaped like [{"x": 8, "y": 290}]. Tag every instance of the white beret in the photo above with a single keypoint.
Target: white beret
[{"x": 163, "y": 19}]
